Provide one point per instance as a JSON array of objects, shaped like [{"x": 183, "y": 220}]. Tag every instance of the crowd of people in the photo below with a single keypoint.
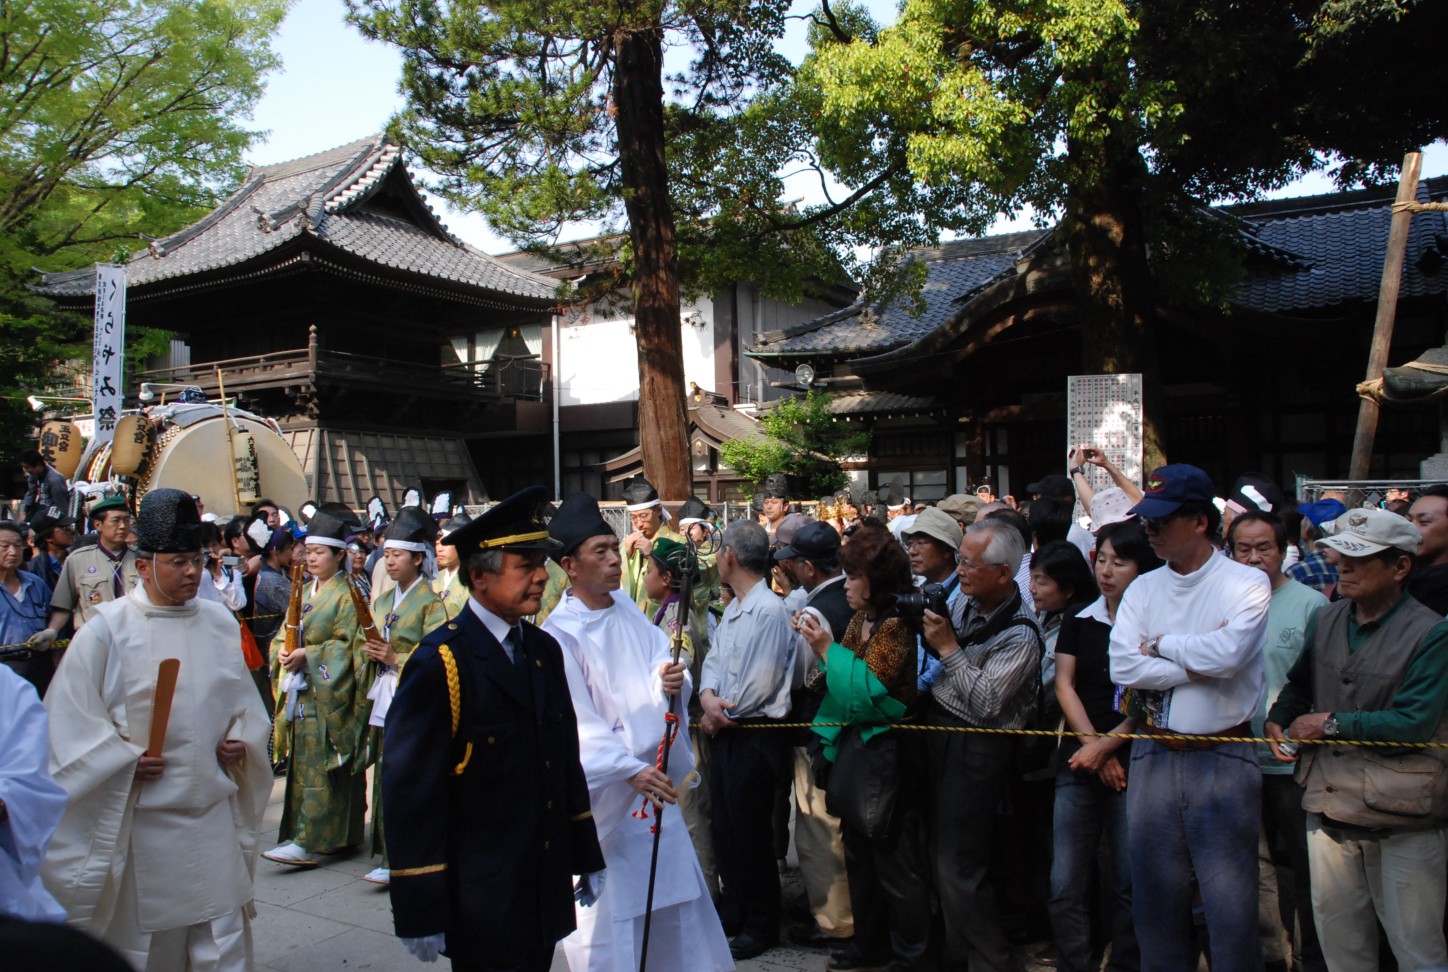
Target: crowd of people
[{"x": 1137, "y": 726}]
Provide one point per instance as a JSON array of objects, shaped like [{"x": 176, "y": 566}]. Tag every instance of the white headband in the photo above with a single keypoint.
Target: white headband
[
  {"x": 410, "y": 545},
  {"x": 635, "y": 507},
  {"x": 691, "y": 520},
  {"x": 326, "y": 542}
]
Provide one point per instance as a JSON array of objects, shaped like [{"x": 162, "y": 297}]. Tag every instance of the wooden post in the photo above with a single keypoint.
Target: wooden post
[{"x": 1367, "y": 424}]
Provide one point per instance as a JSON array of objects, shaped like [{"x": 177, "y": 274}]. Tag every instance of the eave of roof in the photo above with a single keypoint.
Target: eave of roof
[{"x": 321, "y": 198}]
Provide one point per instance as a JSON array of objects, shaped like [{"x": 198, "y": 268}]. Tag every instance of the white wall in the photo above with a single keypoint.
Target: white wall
[{"x": 598, "y": 358}]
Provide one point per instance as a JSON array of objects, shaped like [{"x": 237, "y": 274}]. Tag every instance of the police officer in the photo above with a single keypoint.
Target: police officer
[{"x": 487, "y": 808}]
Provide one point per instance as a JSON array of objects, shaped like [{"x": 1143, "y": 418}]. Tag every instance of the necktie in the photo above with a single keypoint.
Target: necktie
[{"x": 520, "y": 659}]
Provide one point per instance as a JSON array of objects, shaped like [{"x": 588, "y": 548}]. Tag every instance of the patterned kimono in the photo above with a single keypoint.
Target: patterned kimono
[
  {"x": 635, "y": 565},
  {"x": 558, "y": 584},
  {"x": 404, "y": 625},
  {"x": 453, "y": 596},
  {"x": 323, "y": 721}
]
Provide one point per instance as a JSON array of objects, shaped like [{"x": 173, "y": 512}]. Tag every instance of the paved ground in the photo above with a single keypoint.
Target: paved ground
[{"x": 328, "y": 918}]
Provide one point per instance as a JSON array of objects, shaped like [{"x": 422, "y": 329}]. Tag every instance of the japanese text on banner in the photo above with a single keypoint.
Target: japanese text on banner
[{"x": 108, "y": 348}]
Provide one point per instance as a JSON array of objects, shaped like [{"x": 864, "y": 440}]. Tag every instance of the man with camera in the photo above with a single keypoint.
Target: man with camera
[
  {"x": 931, "y": 543},
  {"x": 990, "y": 678}
]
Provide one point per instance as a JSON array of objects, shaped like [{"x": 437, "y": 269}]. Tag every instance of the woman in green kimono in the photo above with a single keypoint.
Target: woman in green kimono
[
  {"x": 404, "y": 615},
  {"x": 320, "y": 702},
  {"x": 450, "y": 584}
]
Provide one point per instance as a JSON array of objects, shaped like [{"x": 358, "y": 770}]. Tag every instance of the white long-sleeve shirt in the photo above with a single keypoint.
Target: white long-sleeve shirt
[{"x": 1213, "y": 623}]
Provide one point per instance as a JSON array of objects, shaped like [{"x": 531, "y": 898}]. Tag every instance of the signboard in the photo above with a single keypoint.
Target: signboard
[
  {"x": 108, "y": 348},
  {"x": 1105, "y": 411}
]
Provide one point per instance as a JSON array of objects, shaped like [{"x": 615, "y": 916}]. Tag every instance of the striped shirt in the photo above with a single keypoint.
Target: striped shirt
[{"x": 993, "y": 684}]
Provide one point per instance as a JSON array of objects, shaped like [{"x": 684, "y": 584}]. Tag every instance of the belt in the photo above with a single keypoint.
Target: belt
[{"x": 1180, "y": 743}]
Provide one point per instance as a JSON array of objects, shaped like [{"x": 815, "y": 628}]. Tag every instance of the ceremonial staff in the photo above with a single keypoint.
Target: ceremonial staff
[
  {"x": 369, "y": 675},
  {"x": 293, "y": 633},
  {"x": 687, "y": 568}
]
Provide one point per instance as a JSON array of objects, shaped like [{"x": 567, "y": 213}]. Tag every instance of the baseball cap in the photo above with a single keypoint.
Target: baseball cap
[
  {"x": 789, "y": 525},
  {"x": 962, "y": 507},
  {"x": 813, "y": 540},
  {"x": 1257, "y": 493},
  {"x": 1054, "y": 485},
  {"x": 1170, "y": 486},
  {"x": 43, "y": 524},
  {"x": 935, "y": 523},
  {"x": 1362, "y": 533},
  {"x": 1323, "y": 511}
]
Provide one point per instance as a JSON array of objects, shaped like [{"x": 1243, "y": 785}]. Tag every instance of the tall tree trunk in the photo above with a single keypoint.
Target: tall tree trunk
[
  {"x": 1114, "y": 295},
  {"x": 638, "y": 96}
]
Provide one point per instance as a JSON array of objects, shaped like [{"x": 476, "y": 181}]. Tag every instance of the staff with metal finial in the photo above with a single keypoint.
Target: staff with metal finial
[{"x": 687, "y": 568}]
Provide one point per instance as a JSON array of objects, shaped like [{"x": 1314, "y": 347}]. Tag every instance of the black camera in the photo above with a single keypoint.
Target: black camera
[{"x": 931, "y": 597}]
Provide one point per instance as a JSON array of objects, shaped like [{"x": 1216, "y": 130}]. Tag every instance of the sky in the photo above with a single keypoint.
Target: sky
[{"x": 335, "y": 86}]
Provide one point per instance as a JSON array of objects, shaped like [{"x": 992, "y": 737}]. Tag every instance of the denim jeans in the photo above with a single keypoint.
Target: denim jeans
[
  {"x": 1089, "y": 813},
  {"x": 1194, "y": 818}
]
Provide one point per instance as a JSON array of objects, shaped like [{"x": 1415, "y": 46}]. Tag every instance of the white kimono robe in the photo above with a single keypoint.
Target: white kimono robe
[
  {"x": 612, "y": 658},
  {"x": 162, "y": 871},
  {"x": 34, "y": 800}
]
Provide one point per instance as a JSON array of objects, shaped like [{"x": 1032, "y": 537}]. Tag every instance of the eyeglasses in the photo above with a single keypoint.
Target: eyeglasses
[
  {"x": 1157, "y": 522},
  {"x": 961, "y": 562},
  {"x": 181, "y": 563}
]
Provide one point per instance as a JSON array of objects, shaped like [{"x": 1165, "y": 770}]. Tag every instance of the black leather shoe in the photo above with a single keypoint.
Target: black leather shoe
[
  {"x": 851, "y": 959},
  {"x": 810, "y": 936},
  {"x": 745, "y": 946}
]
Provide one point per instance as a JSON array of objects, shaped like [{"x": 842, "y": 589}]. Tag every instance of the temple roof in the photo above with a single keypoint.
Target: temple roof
[{"x": 355, "y": 203}]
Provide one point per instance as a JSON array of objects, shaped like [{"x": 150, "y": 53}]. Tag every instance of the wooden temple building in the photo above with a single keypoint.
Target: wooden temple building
[{"x": 329, "y": 297}]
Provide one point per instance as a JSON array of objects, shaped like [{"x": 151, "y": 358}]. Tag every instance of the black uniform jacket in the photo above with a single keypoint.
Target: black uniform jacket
[{"x": 486, "y": 825}]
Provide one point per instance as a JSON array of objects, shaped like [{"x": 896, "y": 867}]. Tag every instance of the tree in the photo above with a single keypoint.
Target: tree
[
  {"x": 804, "y": 441},
  {"x": 117, "y": 121},
  {"x": 541, "y": 115},
  {"x": 1121, "y": 117}
]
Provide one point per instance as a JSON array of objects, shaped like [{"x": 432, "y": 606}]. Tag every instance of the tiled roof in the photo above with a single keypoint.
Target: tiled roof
[
  {"x": 325, "y": 197},
  {"x": 1341, "y": 239},
  {"x": 872, "y": 402},
  {"x": 955, "y": 271}
]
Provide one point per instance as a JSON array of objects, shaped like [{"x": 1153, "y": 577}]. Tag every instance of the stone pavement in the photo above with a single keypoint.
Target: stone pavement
[{"x": 327, "y": 918}]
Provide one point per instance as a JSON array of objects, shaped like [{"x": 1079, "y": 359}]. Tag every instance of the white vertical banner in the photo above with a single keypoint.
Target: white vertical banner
[
  {"x": 108, "y": 348},
  {"x": 1105, "y": 411}
]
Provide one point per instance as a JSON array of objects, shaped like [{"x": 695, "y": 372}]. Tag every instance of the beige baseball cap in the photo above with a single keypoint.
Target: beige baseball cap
[{"x": 1362, "y": 533}]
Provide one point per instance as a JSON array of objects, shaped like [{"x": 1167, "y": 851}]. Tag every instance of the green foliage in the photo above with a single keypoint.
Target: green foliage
[
  {"x": 803, "y": 440},
  {"x": 117, "y": 120}
]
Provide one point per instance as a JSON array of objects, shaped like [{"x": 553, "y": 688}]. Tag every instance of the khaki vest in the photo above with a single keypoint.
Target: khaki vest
[{"x": 1372, "y": 786}]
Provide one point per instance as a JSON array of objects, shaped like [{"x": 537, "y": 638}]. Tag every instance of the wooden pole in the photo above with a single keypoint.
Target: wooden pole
[{"x": 1367, "y": 423}]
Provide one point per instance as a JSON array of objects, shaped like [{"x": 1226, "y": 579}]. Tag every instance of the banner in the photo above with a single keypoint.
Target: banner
[
  {"x": 108, "y": 348},
  {"x": 1105, "y": 411}
]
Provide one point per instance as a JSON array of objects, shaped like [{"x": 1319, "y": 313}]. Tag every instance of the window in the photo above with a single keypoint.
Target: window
[{"x": 921, "y": 485}]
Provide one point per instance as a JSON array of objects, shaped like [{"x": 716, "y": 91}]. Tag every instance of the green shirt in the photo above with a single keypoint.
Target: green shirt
[
  {"x": 1288, "y": 615},
  {"x": 1417, "y": 707}
]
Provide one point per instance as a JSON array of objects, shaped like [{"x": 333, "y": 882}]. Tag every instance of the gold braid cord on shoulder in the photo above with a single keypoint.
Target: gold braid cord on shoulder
[{"x": 454, "y": 701}]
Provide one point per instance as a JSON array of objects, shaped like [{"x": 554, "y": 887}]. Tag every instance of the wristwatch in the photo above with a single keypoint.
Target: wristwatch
[
  {"x": 1330, "y": 728},
  {"x": 1153, "y": 647},
  {"x": 1077, "y": 470}
]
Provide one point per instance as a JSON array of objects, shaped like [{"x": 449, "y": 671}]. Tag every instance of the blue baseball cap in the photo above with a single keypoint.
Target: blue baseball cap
[
  {"x": 1170, "y": 486},
  {"x": 1323, "y": 511}
]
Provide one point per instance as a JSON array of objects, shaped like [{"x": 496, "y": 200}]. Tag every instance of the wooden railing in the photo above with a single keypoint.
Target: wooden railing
[{"x": 505, "y": 377}]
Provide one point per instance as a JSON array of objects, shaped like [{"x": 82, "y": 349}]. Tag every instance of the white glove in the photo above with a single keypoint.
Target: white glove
[
  {"x": 425, "y": 949},
  {"x": 42, "y": 639},
  {"x": 589, "y": 887}
]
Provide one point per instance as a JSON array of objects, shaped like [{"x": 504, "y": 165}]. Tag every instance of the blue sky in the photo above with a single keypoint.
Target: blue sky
[{"x": 335, "y": 86}]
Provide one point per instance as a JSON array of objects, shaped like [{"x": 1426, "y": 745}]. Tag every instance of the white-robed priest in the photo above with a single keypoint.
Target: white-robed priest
[
  {"x": 623, "y": 681},
  {"x": 156, "y": 854}
]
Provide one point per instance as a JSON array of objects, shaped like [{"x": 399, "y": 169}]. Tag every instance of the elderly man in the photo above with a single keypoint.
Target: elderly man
[
  {"x": 157, "y": 849},
  {"x": 1375, "y": 668},
  {"x": 746, "y": 681},
  {"x": 486, "y": 802},
  {"x": 646, "y": 513},
  {"x": 990, "y": 678},
  {"x": 1188, "y": 642},
  {"x": 98, "y": 574},
  {"x": 624, "y": 682},
  {"x": 932, "y": 542}
]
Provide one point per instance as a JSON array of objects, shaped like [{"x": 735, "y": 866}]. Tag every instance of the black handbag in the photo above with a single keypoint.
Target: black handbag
[{"x": 864, "y": 782}]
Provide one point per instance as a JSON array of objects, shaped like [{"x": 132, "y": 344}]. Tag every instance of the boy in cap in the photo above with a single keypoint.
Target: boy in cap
[
  {"x": 1317, "y": 569},
  {"x": 156, "y": 852},
  {"x": 1374, "y": 668},
  {"x": 487, "y": 805},
  {"x": 1188, "y": 642}
]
